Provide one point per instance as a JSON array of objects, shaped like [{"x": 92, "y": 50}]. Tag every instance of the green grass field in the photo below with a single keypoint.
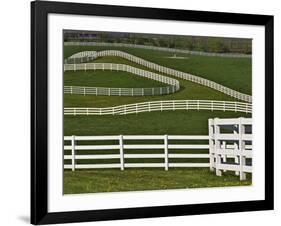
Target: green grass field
[
  {"x": 118, "y": 79},
  {"x": 235, "y": 73},
  {"x": 178, "y": 122},
  {"x": 188, "y": 90},
  {"x": 166, "y": 122},
  {"x": 110, "y": 180}
]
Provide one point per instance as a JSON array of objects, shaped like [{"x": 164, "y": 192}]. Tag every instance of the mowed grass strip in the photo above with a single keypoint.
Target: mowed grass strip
[
  {"x": 107, "y": 78},
  {"x": 179, "y": 122},
  {"x": 235, "y": 73},
  {"x": 115, "y": 180}
]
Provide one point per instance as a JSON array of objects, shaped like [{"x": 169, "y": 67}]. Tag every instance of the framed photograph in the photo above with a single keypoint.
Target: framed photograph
[{"x": 145, "y": 112}]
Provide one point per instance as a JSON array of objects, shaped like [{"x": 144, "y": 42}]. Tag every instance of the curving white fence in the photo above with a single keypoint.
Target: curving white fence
[
  {"x": 168, "y": 105},
  {"x": 173, "y": 50},
  {"x": 81, "y": 57},
  {"x": 174, "y": 84},
  {"x": 179, "y": 74}
]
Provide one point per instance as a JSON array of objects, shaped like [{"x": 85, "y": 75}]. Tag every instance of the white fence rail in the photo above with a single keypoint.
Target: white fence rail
[
  {"x": 174, "y": 84},
  {"x": 106, "y": 91},
  {"x": 237, "y": 143},
  {"x": 169, "y": 105},
  {"x": 172, "y": 50},
  {"x": 226, "y": 150},
  {"x": 120, "y": 147},
  {"x": 176, "y": 73}
]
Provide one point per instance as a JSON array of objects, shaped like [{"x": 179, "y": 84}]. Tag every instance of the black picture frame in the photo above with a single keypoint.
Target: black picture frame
[{"x": 39, "y": 111}]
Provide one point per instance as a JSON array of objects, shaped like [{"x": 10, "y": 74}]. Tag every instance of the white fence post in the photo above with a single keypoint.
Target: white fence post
[
  {"x": 224, "y": 159},
  {"x": 211, "y": 144},
  {"x": 242, "y": 158},
  {"x": 166, "y": 151},
  {"x": 217, "y": 146},
  {"x": 121, "y": 152},
  {"x": 236, "y": 158},
  {"x": 73, "y": 153}
]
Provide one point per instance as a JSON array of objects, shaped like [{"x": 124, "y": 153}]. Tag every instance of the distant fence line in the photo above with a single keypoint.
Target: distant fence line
[
  {"x": 106, "y": 91},
  {"x": 174, "y": 84},
  {"x": 234, "y": 142},
  {"x": 168, "y": 105},
  {"x": 172, "y": 50},
  {"x": 169, "y": 71}
]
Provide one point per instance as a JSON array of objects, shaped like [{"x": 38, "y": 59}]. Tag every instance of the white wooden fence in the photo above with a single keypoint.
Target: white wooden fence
[
  {"x": 173, "y": 84},
  {"x": 172, "y": 50},
  {"x": 121, "y": 148},
  {"x": 168, "y": 105},
  {"x": 176, "y": 73},
  {"x": 81, "y": 57},
  {"x": 235, "y": 142},
  {"x": 107, "y": 91},
  {"x": 226, "y": 151}
]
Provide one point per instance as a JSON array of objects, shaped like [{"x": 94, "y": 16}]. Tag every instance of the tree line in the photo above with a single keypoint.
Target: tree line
[{"x": 196, "y": 43}]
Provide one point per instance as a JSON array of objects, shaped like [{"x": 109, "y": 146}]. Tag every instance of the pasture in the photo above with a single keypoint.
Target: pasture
[{"x": 234, "y": 73}]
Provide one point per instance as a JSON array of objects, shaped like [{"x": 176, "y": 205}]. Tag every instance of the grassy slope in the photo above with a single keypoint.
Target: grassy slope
[
  {"x": 232, "y": 72},
  {"x": 108, "y": 79},
  {"x": 145, "y": 179},
  {"x": 189, "y": 90}
]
